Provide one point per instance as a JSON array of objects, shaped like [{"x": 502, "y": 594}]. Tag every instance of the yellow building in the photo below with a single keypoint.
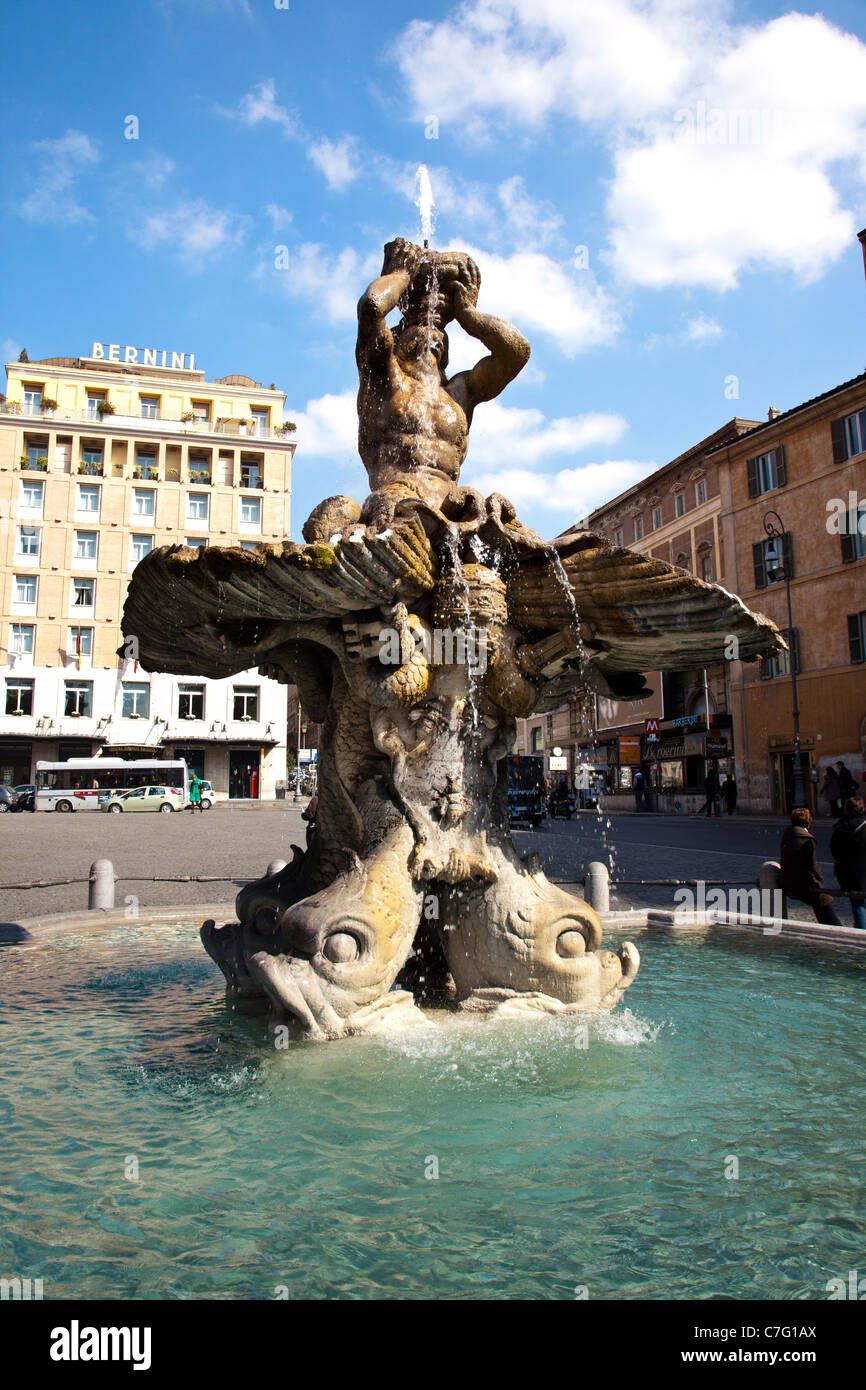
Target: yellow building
[{"x": 102, "y": 459}]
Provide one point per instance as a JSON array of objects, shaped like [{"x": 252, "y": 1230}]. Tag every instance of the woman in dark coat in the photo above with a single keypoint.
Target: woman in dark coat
[
  {"x": 801, "y": 873},
  {"x": 848, "y": 848}
]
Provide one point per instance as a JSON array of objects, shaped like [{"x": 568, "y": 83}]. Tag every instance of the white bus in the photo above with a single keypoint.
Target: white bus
[{"x": 82, "y": 784}]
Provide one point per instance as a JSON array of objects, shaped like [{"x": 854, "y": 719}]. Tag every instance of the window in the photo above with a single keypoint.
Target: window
[
  {"x": 196, "y": 506},
  {"x": 85, "y": 545},
  {"x": 78, "y": 699},
  {"x": 139, "y": 546},
  {"x": 249, "y": 545},
  {"x": 705, "y": 566},
  {"x": 79, "y": 641},
  {"x": 143, "y": 501},
  {"x": 91, "y": 461},
  {"x": 94, "y": 400},
  {"x": 201, "y": 410},
  {"x": 617, "y": 538},
  {"x": 149, "y": 407},
  {"x": 196, "y": 542},
  {"x": 537, "y": 740},
  {"x": 145, "y": 466},
  {"x": 849, "y": 436},
  {"x": 857, "y": 637},
  {"x": 779, "y": 664},
  {"x": 25, "y": 589},
  {"x": 87, "y": 498},
  {"x": 37, "y": 456},
  {"x": 32, "y": 400},
  {"x": 136, "y": 700},
  {"x": 21, "y": 638},
  {"x": 700, "y": 492},
  {"x": 190, "y": 702},
  {"x": 251, "y": 475},
  {"x": 771, "y": 559},
  {"x": 19, "y": 697},
  {"x": 680, "y": 504},
  {"x": 246, "y": 702},
  {"x": 767, "y": 471},
  {"x": 251, "y": 511},
  {"x": 853, "y": 534},
  {"x": 29, "y": 538},
  {"x": 638, "y": 528},
  {"x": 260, "y": 420},
  {"x": 82, "y": 593},
  {"x": 657, "y": 518},
  {"x": 31, "y": 497},
  {"x": 683, "y": 561}
]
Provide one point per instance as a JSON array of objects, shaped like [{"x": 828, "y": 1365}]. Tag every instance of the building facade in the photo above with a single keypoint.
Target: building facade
[
  {"x": 102, "y": 459},
  {"x": 808, "y": 467}
]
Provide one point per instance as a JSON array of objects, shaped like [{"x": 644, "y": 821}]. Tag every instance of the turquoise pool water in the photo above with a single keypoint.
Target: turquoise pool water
[{"x": 560, "y": 1166}]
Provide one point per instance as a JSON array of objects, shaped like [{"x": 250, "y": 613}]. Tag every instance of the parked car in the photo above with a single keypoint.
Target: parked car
[
  {"x": 144, "y": 799},
  {"x": 8, "y": 799},
  {"x": 208, "y": 796}
]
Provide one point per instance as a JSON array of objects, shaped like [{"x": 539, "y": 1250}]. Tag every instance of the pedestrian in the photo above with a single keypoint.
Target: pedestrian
[
  {"x": 712, "y": 791},
  {"x": 195, "y": 794},
  {"x": 309, "y": 814},
  {"x": 637, "y": 788},
  {"x": 848, "y": 848},
  {"x": 729, "y": 794},
  {"x": 801, "y": 876},
  {"x": 847, "y": 784},
  {"x": 831, "y": 791}
]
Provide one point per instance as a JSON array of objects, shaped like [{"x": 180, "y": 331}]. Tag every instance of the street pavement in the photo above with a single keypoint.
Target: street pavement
[{"x": 238, "y": 843}]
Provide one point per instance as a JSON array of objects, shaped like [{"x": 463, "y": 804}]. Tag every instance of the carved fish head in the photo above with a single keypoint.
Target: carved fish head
[
  {"x": 524, "y": 933},
  {"x": 340, "y": 950}
]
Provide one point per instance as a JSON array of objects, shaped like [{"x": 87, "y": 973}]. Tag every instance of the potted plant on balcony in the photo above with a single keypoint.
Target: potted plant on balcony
[
  {"x": 287, "y": 427},
  {"x": 187, "y": 417},
  {"x": 48, "y": 405},
  {"x": 104, "y": 408},
  {"x": 42, "y": 462}
]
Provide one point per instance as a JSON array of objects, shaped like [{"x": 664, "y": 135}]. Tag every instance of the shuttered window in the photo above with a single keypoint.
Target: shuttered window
[
  {"x": 857, "y": 637},
  {"x": 766, "y": 472},
  {"x": 853, "y": 534},
  {"x": 780, "y": 663},
  {"x": 849, "y": 436},
  {"x": 759, "y": 560}
]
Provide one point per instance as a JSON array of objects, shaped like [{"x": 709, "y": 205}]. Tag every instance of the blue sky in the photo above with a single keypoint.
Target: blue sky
[{"x": 663, "y": 195}]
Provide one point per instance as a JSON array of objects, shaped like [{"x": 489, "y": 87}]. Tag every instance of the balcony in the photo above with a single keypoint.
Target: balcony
[{"x": 141, "y": 424}]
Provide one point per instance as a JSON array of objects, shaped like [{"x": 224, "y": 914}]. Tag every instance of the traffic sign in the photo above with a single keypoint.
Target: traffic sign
[{"x": 651, "y": 727}]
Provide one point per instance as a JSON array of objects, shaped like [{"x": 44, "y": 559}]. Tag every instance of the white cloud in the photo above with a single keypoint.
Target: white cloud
[
  {"x": 543, "y": 296},
  {"x": 154, "y": 169},
  {"x": 196, "y": 231},
  {"x": 735, "y": 148},
  {"x": 52, "y": 197},
  {"x": 336, "y": 160},
  {"x": 328, "y": 427},
  {"x": 527, "y": 437},
  {"x": 280, "y": 217},
  {"x": 571, "y": 492},
  {"x": 333, "y": 282},
  {"x": 260, "y": 104},
  {"x": 702, "y": 329}
]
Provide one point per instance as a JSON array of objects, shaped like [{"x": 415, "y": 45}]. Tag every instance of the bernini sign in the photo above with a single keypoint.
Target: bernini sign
[{"x": 146, "y": 357}]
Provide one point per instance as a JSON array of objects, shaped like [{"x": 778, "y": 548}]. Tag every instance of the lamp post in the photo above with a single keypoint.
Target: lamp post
[{"x": 776, "y": 567}]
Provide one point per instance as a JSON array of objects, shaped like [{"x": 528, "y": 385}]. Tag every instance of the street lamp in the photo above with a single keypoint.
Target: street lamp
[{"x": 777, "y": 568}]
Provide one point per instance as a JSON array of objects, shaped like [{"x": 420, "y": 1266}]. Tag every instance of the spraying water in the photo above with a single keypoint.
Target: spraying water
[{"x": 424, "y": 202}]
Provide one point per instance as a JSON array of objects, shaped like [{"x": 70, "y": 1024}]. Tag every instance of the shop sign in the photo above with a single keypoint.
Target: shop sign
[
  {"x": 558, "y": 764},
  {"x": 629, "y": 750},
  {"x": 716, "y": 747}
]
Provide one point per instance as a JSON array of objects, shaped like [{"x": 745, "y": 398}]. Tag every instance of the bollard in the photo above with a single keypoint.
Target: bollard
[
  {"x": 770, "y": 883},
  {"x": 274, "y": 867},
  {"x": 596, "y": 886},
  {"x": 100, "y": 893}
]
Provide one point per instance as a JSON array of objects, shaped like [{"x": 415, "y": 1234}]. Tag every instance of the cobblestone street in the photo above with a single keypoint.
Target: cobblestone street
[{"x": 239, "y": 842}]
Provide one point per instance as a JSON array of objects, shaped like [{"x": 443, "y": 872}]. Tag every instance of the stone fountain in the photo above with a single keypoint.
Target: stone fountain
[{"x": 418, "y": 627}]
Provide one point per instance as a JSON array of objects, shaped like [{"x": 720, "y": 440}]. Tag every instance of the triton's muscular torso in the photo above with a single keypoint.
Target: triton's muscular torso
[{"x": 409, "y": 423}]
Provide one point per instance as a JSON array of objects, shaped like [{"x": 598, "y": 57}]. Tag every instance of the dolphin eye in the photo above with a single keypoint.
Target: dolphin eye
[
  {"x": 341, "y": 947},
  {"x": 570, "y": 943}
]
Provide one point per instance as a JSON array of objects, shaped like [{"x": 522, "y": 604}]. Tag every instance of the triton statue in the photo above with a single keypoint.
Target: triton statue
[{"x": 418, "y": 627}]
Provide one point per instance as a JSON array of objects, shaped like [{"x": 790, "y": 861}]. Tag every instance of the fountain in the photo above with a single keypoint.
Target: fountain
[{"x": 418, "y": 627}]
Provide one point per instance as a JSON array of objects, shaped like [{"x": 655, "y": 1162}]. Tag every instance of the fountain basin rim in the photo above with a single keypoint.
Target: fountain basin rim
[
  {"x": 192, "y": 913},
  {"x": 769, "y": 928}
]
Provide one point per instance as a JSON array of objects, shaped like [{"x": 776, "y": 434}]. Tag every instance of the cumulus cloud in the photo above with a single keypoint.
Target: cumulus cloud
[
  {"x": 328, "y": 428},
  {"x": 59, "y": 164},
  {"x": 260, "y": 104},
  {"x": 734, "y": 148},
  {"x": 280, "y": 217},
  {"x": 195, "y": 230},
  {"x": 336, "y": 160},
  {"x": 570, "y": 492},
  {"x": 526, "y": 437},
  {"x": 332, "y": 281}
]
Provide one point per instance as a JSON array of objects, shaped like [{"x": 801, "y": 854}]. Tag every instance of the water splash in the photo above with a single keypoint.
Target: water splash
[{"x": 424, "y": 202}]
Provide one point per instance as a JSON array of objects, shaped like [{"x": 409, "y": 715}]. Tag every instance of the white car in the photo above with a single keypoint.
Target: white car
[
  {"x": 208, "y": 796},
  {"x": 163, "y": 799}
]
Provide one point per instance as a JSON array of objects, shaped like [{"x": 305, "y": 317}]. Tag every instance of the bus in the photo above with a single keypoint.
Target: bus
[{"x": 82, "y": 784}]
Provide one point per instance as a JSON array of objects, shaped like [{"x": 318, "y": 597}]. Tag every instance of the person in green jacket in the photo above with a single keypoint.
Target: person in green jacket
[{"x": 195, "y": 794}]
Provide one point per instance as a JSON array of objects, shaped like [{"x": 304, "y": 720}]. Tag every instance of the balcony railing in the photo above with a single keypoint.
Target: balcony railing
[{"x": 223, "y": 428}]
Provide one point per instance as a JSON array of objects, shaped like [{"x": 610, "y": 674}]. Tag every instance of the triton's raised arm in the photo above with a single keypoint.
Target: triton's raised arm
[
  {"x": 375, "y": 339},
  {"x": 509, "y": 350}
]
